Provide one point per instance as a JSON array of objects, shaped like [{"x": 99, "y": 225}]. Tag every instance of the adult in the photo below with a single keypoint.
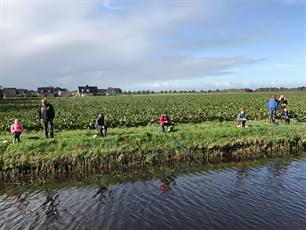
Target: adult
[
  {"x": 46, "y": 115},
  {"x": 282, "y": 103},
  {"x": 272, "y": 105},
  {"x": 164, "y": 120},
  {"x": 100, "y": 125}
]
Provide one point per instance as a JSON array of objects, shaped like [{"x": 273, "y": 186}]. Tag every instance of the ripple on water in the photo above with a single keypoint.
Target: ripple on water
[{"x": 267, "y": 196}]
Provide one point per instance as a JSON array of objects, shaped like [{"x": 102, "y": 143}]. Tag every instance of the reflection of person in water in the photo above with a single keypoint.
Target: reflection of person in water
[
  {"x": 19, "y": 201},
  {"x": 52, "y": 212},
  {"x": 101, "y": 192},
  {"x": 165, "y": 184}
]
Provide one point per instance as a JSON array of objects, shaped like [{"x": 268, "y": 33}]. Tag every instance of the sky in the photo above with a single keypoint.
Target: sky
[{"x": 153, "y": 44}]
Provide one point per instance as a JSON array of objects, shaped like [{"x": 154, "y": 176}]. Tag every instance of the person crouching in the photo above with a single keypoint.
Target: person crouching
[
  {"x": 285, "y": 116},
  {"x": 16, "y": 130},
  {"x": 241, "y": 119},
  {"x": 164, "y": 120}
]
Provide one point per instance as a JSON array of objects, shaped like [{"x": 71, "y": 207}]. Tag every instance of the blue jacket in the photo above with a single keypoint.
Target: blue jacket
[{"x": 272, "y": 104}]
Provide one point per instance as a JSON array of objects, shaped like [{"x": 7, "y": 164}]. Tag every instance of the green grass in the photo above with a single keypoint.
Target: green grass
[{"x": 129, "y": 147}]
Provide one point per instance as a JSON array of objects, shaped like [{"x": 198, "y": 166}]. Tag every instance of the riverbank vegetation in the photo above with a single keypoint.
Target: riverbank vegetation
[{"x": 209, "y": 142}]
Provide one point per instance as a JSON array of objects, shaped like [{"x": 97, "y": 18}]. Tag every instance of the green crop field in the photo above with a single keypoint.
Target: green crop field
[{"x": 131, "y": 111}]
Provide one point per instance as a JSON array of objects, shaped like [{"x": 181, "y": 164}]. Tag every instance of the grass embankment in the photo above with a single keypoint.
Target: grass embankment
[{"x": 210, "y": 142}]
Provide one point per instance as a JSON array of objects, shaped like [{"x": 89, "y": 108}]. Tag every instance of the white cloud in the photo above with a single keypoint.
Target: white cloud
[{"x": 73, "y": 43}]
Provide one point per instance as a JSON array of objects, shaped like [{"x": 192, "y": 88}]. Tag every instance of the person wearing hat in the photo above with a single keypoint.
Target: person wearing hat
[{"x": 46, "y": 115}]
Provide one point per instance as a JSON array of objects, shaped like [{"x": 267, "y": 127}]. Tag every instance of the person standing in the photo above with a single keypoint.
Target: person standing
[
  {"x": 272, "y": 105},
  {"x": 46, "y": 115},
  {"x": 282, "y": 103},
  {"x": 100, "y": 125},
  {"x": 16, "y": 130}
]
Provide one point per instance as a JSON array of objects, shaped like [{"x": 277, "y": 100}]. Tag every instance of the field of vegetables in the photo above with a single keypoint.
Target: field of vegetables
[{"x": 134, "y": 110}]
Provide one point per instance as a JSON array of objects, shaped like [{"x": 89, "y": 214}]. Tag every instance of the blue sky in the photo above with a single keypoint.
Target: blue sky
[{"x": 153, "y": 44}]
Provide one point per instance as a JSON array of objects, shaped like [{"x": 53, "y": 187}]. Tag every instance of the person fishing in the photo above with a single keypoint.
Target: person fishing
[
  {"x": 164, "y": 120},
  {"x": 46, "y": 115},
  {"x": 100, "y": 125},
  {"x": 272, "y": 105},
  {"x": 285, "y": 116},
  {"x": 241, "y": 119}
]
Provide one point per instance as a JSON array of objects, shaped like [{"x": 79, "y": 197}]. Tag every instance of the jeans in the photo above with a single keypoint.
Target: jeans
[
  {"x": 272, "y": 115},
  {"x": 48, "y": 124}
]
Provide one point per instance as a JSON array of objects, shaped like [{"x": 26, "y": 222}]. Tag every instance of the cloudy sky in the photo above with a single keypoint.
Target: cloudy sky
[{"x": 153, "y": 44}]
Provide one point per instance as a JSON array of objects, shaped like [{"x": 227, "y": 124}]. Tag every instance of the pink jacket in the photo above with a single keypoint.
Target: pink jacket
[{"x": 16, "y": 128}]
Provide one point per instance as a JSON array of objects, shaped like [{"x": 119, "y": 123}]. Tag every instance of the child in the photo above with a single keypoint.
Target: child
[
  {"x": 241, "y": 119},
  {"x": 16, "y": 130},
  {"x": 285, "y": 116}
]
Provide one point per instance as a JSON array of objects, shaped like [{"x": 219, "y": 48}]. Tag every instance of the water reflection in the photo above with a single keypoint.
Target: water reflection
[
  {"x": 262, "y": 196},
  {"x": 103, "y": 194},
  {"x": 19, "y": 201},
  {"x": 166, "y": 183},
  {"x": 50, "y": 206}
]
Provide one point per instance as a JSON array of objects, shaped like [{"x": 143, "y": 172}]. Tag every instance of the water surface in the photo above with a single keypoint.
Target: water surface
[{"x": 266, "y": 195}]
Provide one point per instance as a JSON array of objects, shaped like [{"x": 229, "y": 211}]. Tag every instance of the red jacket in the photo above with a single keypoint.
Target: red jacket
[
  {"x": 16, "y": 128},
  {"x": 163, "y": 119}
]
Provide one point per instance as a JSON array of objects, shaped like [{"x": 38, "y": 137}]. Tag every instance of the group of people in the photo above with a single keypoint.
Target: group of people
[
  {"x": 46, "y": 115},
  {"x": 278, "y": 105},
  {"x": 274, "y": 106}
]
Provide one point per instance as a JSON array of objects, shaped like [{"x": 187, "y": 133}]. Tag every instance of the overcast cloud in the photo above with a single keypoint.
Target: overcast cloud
[{"x": 126, "y": 44}]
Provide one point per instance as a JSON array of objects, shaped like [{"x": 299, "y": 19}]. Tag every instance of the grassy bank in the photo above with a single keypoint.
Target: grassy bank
[{"x": 210, "y": 142}]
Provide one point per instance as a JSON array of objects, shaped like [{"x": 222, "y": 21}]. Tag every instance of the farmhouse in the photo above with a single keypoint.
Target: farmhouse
[
  {"x": 25, "y": 93},
  {"x": 113, "y": 91},
  {"x": 46, "y": 91},
  {"x": 87, "y": 91},
  {"x": 9, "y": 92},
  {"x": 62, "y": 92}
]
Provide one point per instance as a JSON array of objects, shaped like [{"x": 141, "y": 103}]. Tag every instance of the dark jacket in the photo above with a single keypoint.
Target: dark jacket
[
  {"x": 100, "y": 122},
  {"x": 285, "y": 115},
  {"x": 282, "y": 103},
  {"x": 241, "y": 117},
  {"x": 46, "y": 112}
]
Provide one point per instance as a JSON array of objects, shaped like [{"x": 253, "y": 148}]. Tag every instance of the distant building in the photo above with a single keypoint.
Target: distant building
[
  {"x": 24, "y": 93},
  {"x": 113, "y": 91},
  {"x": 101, "y": 92},
  {"x": 9, "y": 92},
  {"x": 1, "y": 92},
  {"x": 87, "y": 91},
  {"x": 62, "y": 92},
  {"x": 46, "y": 91}
]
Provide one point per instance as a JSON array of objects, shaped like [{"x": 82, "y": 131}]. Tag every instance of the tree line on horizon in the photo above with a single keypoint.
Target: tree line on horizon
[{"x": 239, "y": 90}]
